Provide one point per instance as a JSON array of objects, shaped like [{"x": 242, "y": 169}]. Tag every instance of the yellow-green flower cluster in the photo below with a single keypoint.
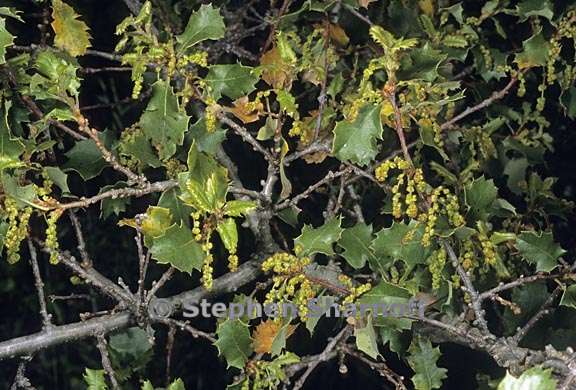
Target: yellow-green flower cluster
[
  {"x": 174, "y": 167},
  {"x": 442, "y": 201},
  {"x": 436, "y": 264},
  {"x": 46, "y": 189},
  {"x": 199, "y": 58},
  {"x": 355, "y": 291},
  {"x": 208, "y": 271},
  {"x": 468, "y": 262},
  {"x": 302, "y": 130},
  {"x": 203, "y": 237},
  {"x": 414, "y": 180},
  {"x": 488, "y": 249},
  {"x": 289, "y": 282},
  {"x": 233, "y": 262},
  {"x": 210, "y": 116},
  {"x": 17, "y": 229},
  {"x": 52, "y": 236}
]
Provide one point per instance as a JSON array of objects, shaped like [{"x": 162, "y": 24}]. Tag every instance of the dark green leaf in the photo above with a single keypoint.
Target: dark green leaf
[
  {"x": 422, "y": 359},
  {"x": 540, "y": 250},
  {"x": 356, "y": 243},
  {"x": 234, "y": 342},
  {"x": 163, "y": 121},
  {"x": 206, "y": 23},
  {"x": 232, "y": 80},
  {"x": 357, "y": 141},
  {"x": 535, "y": 51},
  {"x": 319, "y": 240},
  {"x": 179, "y": 248}
]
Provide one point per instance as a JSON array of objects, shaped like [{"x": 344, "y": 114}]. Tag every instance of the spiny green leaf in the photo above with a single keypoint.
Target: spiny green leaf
[
  {"x": 206, "y": 23},
  {"x": 95, "y": 379},
  {"x": 140, "y": 148},
  {"x": 456, "y": 11},
  {"x": 356, "y": 141},
  {"x": 540, "y": 250},
  {"x": 234, "y": 342},
  {"x": 422, "y": 360},
  {"x": 279, "y": 341},
  {"x": 196, "y": 197},
  {"x": 356, "y": 243},
  {"x": 233, "y": 80},
  {"x": 205, "y": 141},
  {"x": 59, "y": 178},
  {"x": 6, "y": 40},
  {"x": 287, "y": 102},
  {"x": 535, "y": 378},
  {"x": 453, "y": 40},
  {"x": 394, "y": 243},
  {"x": 535, "y": 51},
  {"x": 11, "y": 12},
  {"x": 147, "y": 385},
  {"x": 480, "y": 196},
  {"x": 286, "y": 184},
  {"x": 133, "y": 342},
  {"x": 319, "y": 240},
  {"x": 422, "y": 63},
  {"x": 179, "y": 248},
  {"x": 163, "y": 121},
  {"x": 71, "y": 34},
  {"x": 56, "y": 77}
]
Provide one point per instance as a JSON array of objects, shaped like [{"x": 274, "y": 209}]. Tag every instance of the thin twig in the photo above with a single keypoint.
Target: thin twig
[
  {"x": 242, "y": 132},
  {"x": 106, "y": 154},
  {"x": 522, "y": 280},
  {"x": 398, "y": 125},
  {"x": 158, "y": 284},
  {"x": 169, "y": 348},
  {"x": 105, "y": 69},
  {"x": 356, "y": 204},
  {"x": 185, "y": 327},
  {"x": 322, "y": 145},
  {"x": 475, "y": 301},
  {"x": 326, "y": 179},
  {"x": 380, "y": 367},
  {"x": 322, "y": 97},
  {"x": 485, "y": 103},
  {"x": 354, "y": 12},
  {"x": 46, "y": 317},
  {"x": 322, "y": 357},
  {"x": 106, "y": 364},
  {"x": 544, "y": 310},
  {"x": 86, "y": 261},
  {"x": 117, "y": 193}
]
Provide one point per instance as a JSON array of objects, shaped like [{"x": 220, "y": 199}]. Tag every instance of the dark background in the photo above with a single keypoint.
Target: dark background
[{"x": 113, "y": 249}]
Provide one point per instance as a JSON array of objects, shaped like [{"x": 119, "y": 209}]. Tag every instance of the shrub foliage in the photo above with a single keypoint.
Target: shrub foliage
[{"x": 353, "y": 152}]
